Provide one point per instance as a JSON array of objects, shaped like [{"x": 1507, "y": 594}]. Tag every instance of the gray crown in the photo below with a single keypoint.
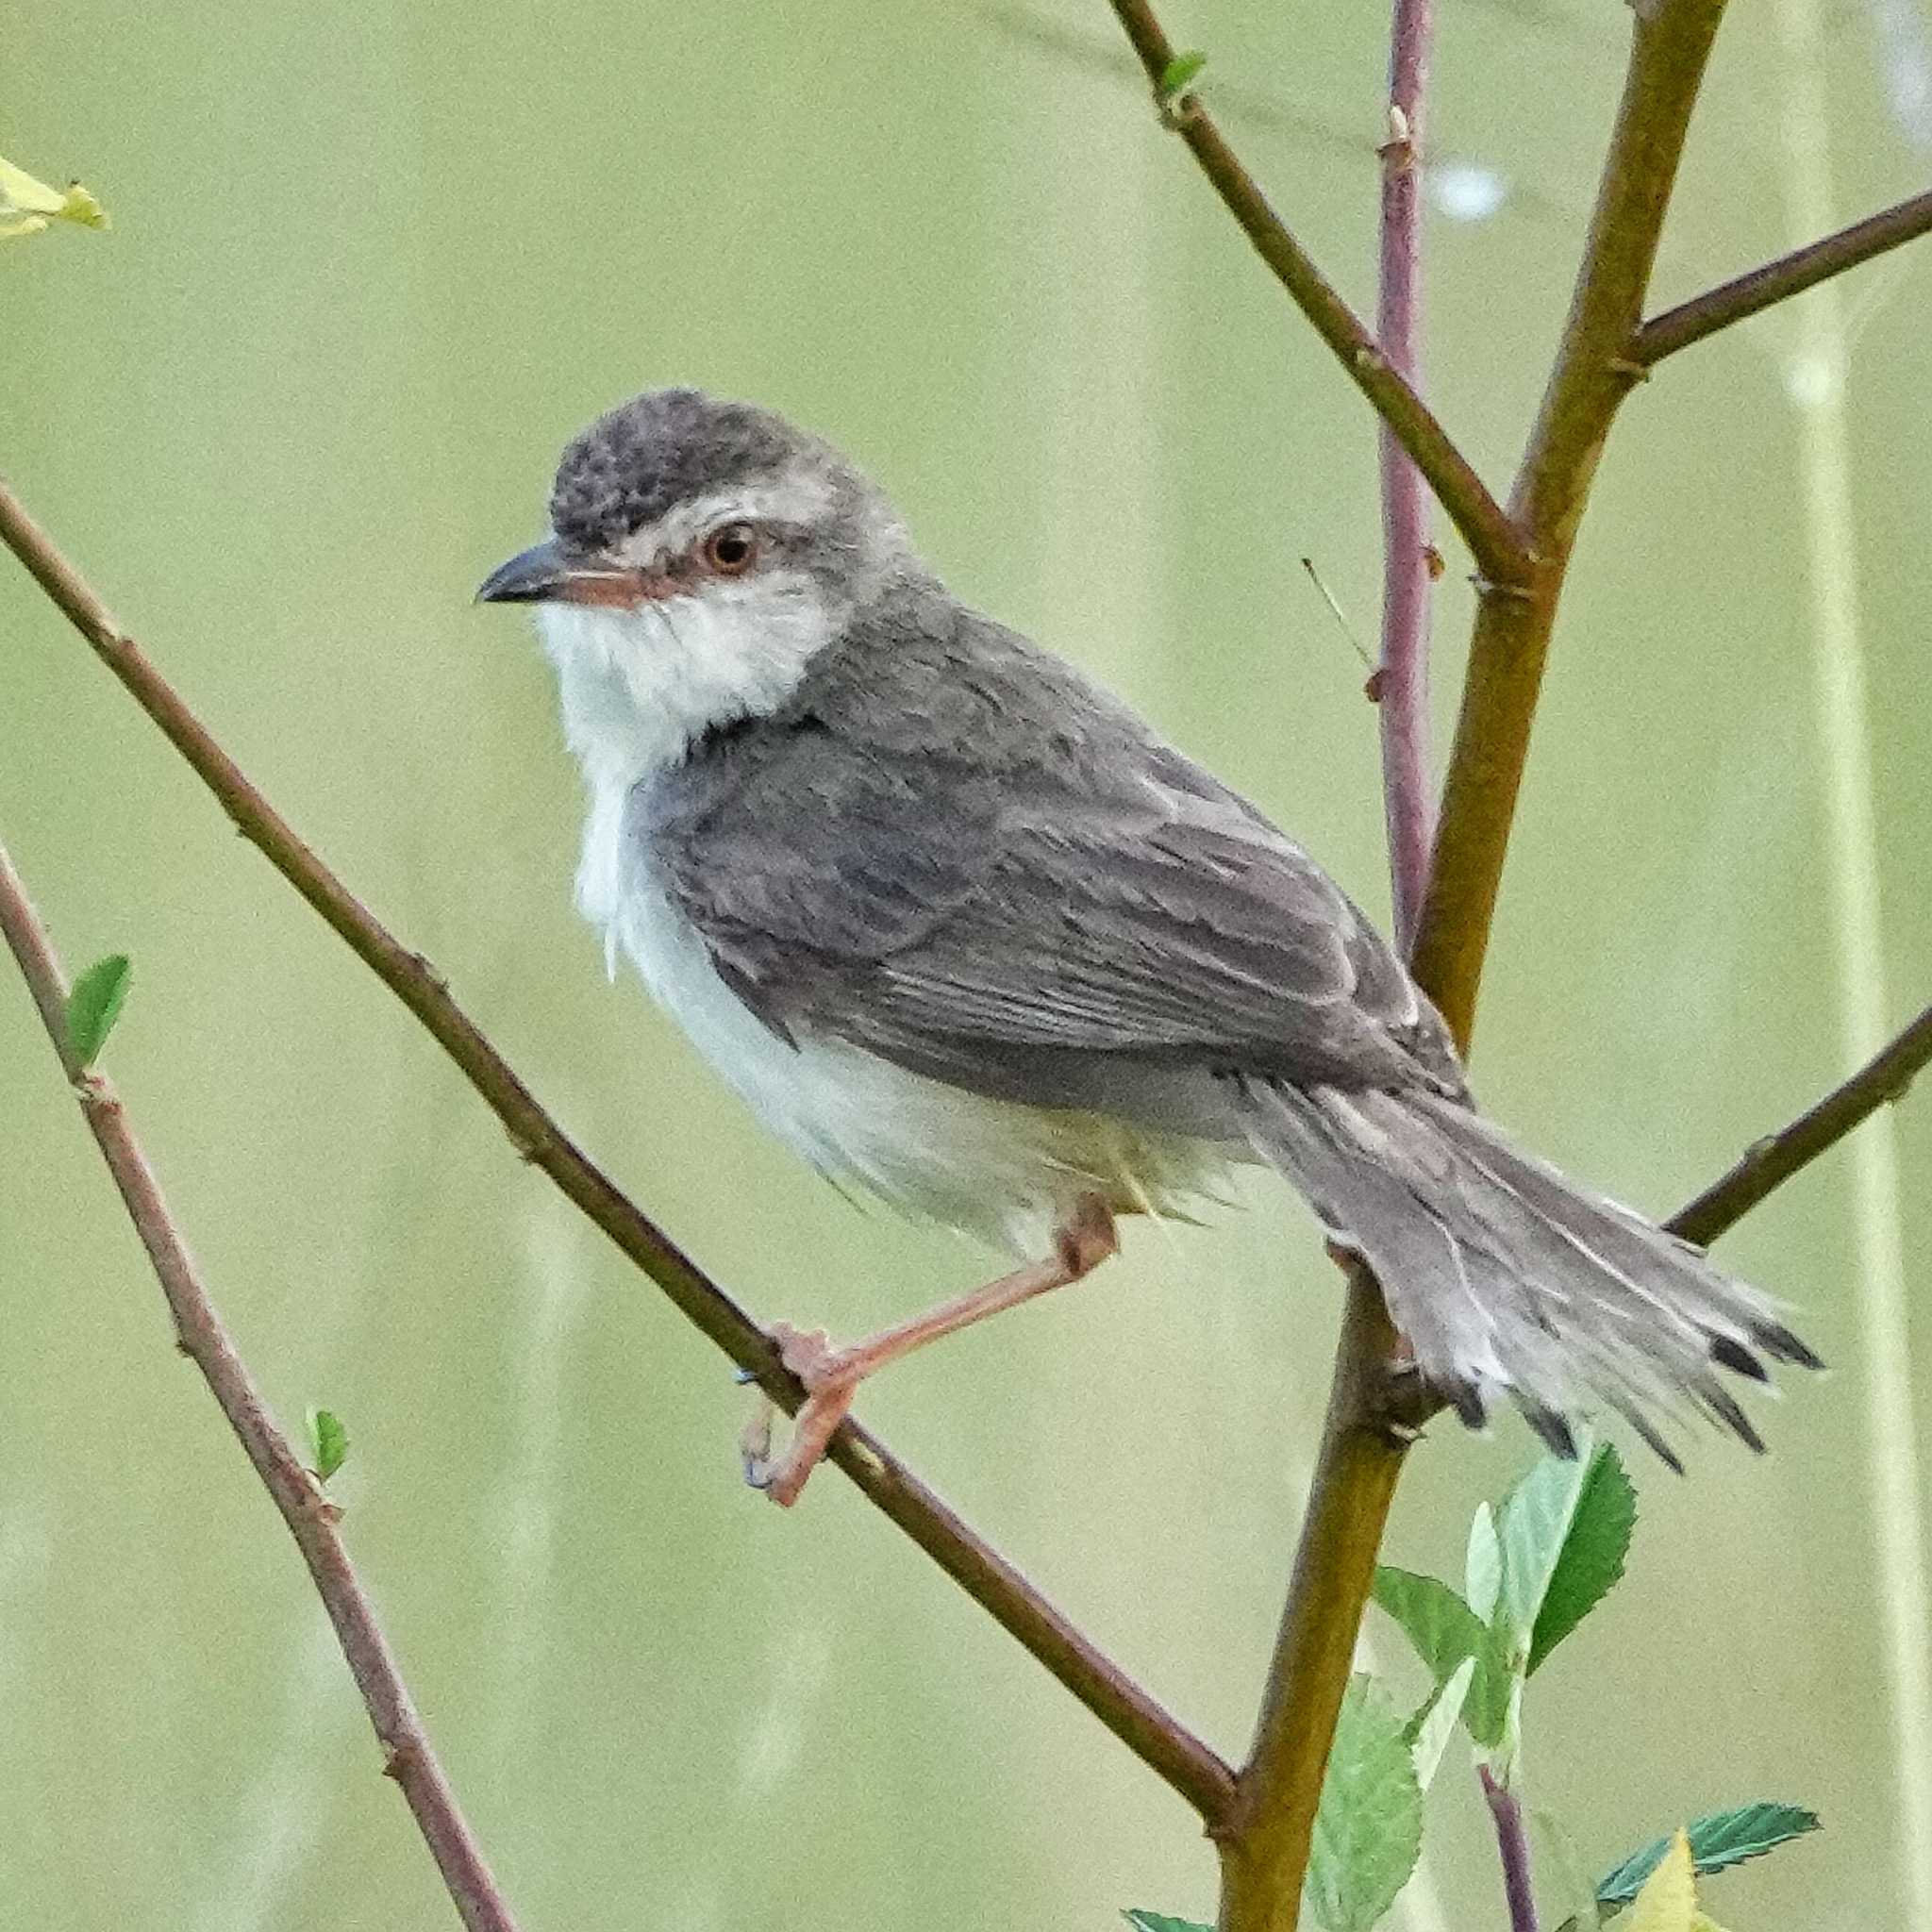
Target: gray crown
[{"x": 660, "y": 449}]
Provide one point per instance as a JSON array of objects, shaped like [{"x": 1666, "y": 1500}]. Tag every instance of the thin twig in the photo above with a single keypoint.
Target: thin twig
[
  {"x": 1512, "y": 1844},
  {"x": 409, "y": 1757},
  {"x": 1402, "y": 687},
  {"x": 1155, "y": 1736},
  {"x": 1767, "y": 1164},
  {"x": 1501, "y": 554},
  {"x": 1778, "y": 281},
  {"x": 1265, "y": 1852}
]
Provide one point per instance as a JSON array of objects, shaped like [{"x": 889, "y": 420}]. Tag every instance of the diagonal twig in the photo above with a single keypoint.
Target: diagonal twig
[
  {"x": 410, "y": 1759},
  {"x": 1767, "y": 1163},
  {"x": 1502, "y": 554},
  {"x": 1155, "y": 1736},
  {"x": 1778, "y": 281}
]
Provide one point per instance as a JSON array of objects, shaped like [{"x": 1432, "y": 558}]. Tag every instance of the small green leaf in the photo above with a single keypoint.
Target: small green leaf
[
  {"x": 1533, "y": 1523},
  {"x": 1719, "y": 1840},
  {"x": 1159, "y": 1921},
  {"x": 1179, "y": 75},
  {"x": 1444, "y": 1630},
  {"x": 95, "y": 1004},
  {"x": 1369, "y": 1827},
  {"x": 1668, "y": 1902},
  {"x": 329, "y": 1439},
  {"x": 1429, "y": 1730},
  {"x": 1591, "y": 1556},
  {"x": 1442, "y": 1627},
  {"x": 1483, "y": 1567}
]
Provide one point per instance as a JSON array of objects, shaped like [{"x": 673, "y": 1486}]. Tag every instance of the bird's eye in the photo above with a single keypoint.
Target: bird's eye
[{"x": 732, "y": 548}]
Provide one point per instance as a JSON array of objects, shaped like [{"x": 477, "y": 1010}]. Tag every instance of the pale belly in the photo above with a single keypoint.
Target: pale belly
[{"x": 1006, "y": 1172}]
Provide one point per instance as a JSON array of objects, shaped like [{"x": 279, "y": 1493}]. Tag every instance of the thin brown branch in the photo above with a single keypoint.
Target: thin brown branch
[
  {"x": 1501, "y": 556},
  {"x": 1265, "y": 1853},
  {"x": 1778, "y": 281},
  {"x": 409, "y": 1757},
  {"x": 1402, "y": 688},
  {"x": 1151, "y": 1732},
  {"x": 1264, "y": 1846},
  {"x": 1767, "y": 1163},
  {"x": 1593, "y": 370}
]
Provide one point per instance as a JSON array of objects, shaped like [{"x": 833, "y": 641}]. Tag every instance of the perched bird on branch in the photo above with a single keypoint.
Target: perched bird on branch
[{"x": 965, "y": 931}]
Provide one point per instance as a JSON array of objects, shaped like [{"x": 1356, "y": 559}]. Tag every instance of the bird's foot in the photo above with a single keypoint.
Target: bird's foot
[{"x": 831, "y": 1377}]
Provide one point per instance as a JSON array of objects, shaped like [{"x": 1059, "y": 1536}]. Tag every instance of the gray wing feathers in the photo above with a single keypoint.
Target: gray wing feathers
[
  {"x": 1001, "y": 873},
  {"x": 953, "y": 851}
]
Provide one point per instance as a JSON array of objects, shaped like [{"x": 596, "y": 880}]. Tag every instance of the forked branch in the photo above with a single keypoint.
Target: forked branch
[
  {"x": 1265, "y": 1857},
  {"x": 1501, "y": 552}
]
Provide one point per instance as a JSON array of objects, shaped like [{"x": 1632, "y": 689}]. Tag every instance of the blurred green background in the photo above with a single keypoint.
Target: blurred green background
[{"x": 371, "y": 267}]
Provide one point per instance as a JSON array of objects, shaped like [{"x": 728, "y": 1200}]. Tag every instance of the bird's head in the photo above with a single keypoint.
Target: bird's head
[{"x": 702, "y": 553}]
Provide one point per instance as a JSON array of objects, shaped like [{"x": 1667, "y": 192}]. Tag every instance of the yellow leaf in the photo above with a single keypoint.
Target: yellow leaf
[
  {"x": 19, "y": 193},
  {"x": 1702, "y": 1923},
  {"x": 27, "y": 204},
  {"x": 1668, "y": 1902},
  {"x": 80, "y": 207}
]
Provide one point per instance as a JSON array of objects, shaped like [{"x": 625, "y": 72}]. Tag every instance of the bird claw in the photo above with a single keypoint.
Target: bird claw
[
  {"x": 809, "y": 1355},
  {"x": 827, "y": 1373}
]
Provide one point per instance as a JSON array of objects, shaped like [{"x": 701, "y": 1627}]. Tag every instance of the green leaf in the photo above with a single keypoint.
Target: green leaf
[
  {"x": 1444, "y": 1630},
  {"x": 1428, "y": 1731},
  {"x": 1591, "y": 1558},
  {"x": 1668, "y": 1902},
  {"x": 95, "y": 1004},
  {"x": 329, "y": 1439},
  {"x": 1483, "y": 1567},
  {"x": 1442, "y": 1627},
  {"x": 1159, "y": 1921},
  {"x": 1719, "y": 1840},
  {"x": 1179, "y": 75},
  {"x": 1369, "y": 1827}
]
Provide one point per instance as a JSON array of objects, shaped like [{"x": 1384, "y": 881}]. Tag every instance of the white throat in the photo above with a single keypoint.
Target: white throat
[{"x": 636, "y": 688}]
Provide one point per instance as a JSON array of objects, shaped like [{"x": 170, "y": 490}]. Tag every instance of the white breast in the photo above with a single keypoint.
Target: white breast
[{"x": 1001, "y": 1170}]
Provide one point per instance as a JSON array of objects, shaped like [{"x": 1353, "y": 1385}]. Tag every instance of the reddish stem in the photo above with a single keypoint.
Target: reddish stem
[
  {"x": 1403, "y": 685},
  {"x": 1512, "y": 1842}
]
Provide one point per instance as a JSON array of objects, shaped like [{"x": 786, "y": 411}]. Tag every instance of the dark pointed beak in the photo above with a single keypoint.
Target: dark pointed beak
[
  {"x": 545, "y": 574},
  {"x": 535, "y": 576}
]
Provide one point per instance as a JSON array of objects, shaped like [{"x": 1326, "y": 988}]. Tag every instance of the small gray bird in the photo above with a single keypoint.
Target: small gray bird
[{"x": 965, "y": 931}]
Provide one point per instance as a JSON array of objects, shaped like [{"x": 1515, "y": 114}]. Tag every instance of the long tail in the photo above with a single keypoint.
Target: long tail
[{"x": 1506, "y": 1276}]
